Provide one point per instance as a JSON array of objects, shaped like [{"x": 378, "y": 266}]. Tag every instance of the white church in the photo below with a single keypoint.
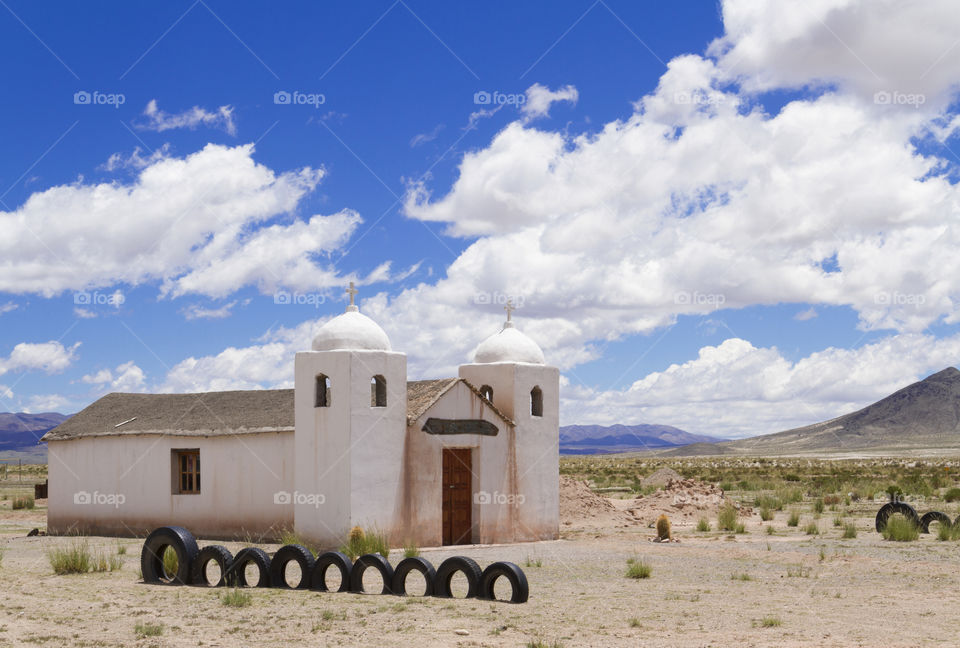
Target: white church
[{"x": 471, "y": 459}]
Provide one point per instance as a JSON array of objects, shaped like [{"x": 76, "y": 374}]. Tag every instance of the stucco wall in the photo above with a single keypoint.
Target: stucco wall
[{"x": 122, "y": 485}]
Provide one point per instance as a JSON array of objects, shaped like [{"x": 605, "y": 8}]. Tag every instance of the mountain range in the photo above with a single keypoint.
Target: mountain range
[
  {"x": 596, "y": 439},
  {"x": 20, "y": 434},
  {"x": 924, "y": 414}
]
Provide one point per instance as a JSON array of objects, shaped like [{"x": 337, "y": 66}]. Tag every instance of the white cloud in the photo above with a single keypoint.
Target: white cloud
[
  {"x": 48, "y": 403},
  {"x": 735, "y": 389},
  {"x": 127, "y": 377},
  {"x": 693, "y": 203},
  {"x": 540, "y": 98},
  {"x": 196, "y": 311},
  {"x": 136, "y": 160},
  {"x": 49, "y": 357},
  {"x": 807, "y": 314},
  {"x": 5, "y": 392},
  {"x": 84, "y": 313},
  {"x": 208, "y": 223},
  {"x": 864, "y": 46},
  {"x": 423, "y": 138},
  {"x": 8, "y": 307},
  {"x": 159, "y": 120}
]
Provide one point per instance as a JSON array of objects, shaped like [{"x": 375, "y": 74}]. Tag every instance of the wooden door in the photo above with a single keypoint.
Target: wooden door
[{"x": 457, "y": 495}]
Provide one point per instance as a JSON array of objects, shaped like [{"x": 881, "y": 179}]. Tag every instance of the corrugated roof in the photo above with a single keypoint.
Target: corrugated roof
[{"x": 218, "y": 413}]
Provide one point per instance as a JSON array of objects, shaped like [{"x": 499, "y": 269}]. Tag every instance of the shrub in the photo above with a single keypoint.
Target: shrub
[
  {"x": 363, "y": 542},
  {"x": 812, "y": 529},
  {"x": 25, "y": 502},
  {"x": 831, "y": 500},
  {"x": 849, "y": 530},
  {"x": 769, "y": 530},
  {"x": 766, "y": 514},
  {"x": 637, "y": 568},
  {"x": 769, "y": 502},
  {"x": 71, "y": 559},
  {"x": 770, "y": 622},
  {"x": 900, "y": 529},
  {"x": 794, "y": 519},
  {"x": 411, "y": 550},
  {"x": 236, "y": 598},
  {"x": 533, "y": 562},
  {"x": 727, "y": 517},
  {"x": 818, "y": 505},
  {"x": 703, "y": 525},
  {"x": 170, "y": 561},
  {"x": 947, "y": 532},
  {"x": 663, "y": 527},
  {"x": 148, "y": 629},
  {"x": 838, "y": 521},
  {"x": 952, "y": 495},
  {"x": 103, "y": 562},
  {"x": 739, "y": 528},
  {"x": 742, "y": 576}
]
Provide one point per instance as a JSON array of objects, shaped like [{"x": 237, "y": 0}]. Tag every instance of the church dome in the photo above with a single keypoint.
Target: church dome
[
  {"x": 509, "y": 345},
  {"x": 352, "y": 331}
]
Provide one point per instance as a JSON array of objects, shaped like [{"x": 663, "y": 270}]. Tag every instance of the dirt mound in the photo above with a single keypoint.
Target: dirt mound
[
  {"x": 661, "y": 477},
  {"x": 684, "y": 501},
  {"x": 579, "y": 507}
]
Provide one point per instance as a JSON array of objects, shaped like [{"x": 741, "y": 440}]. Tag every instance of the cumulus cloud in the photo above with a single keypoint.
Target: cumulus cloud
[
  {"x": 159, "y": 120},
  {"x": 540, "y": 98},
  {"x": 50, "y": 357},
  {"x": 208, "y": 223},
  {"x": 700, "y": 200},
  {"x": 127, "y": 377},
  {"x": 735, "y": 389}
]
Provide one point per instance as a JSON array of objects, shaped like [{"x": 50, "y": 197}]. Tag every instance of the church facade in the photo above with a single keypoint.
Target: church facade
[{"x": 459, "y": 460}]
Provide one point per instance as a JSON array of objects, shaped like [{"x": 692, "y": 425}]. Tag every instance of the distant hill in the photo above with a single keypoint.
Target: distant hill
[
  {"x": 924, "y": 414},
  {"x": 20, "y": 434},
  {"x": 594, "y": 439}
]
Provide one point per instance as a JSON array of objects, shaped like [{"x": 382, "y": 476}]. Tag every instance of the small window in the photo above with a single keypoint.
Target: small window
[
  {"x": 186, "y": 468},
  {"x": 487, "y": 392},
  {"x": 378, "y": 391},
  {"x": 536, "y": 402},
  {"x": 323, "y": 391}
]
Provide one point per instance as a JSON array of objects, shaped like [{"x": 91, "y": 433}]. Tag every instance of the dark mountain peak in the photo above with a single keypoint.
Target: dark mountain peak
[{"x": 950, "y": 374}]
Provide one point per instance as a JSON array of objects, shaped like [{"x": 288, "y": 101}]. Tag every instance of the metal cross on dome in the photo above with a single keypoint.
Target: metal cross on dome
[
  {"x": 352, "y": 291},
  {"x": 509, "y": 308}
]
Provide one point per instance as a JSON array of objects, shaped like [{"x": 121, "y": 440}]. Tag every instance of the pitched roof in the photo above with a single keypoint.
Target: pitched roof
[{"x": 218, "y": 413}]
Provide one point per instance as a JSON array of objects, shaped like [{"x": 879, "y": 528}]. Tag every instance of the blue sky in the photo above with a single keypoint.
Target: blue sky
[{"x": 707, "y": 220}]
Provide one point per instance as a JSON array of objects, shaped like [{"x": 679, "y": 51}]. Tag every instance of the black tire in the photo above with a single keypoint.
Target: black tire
[
  {"x": 407, "y": 565},
  {"x": 236, "y": 575},
  {"x": 151, "y": 558},
  {"x": 198, "y": 570},
  {"x": 376, "y": 561},
  {"x": 895, "y": 507},
  {"x": 513, "y": 573},
  {"x": 283, "y": 557},
  {"x": 324, "y": 561},
  {"x": 450, "y": 566},
  {"x": 934, "y": 516}
]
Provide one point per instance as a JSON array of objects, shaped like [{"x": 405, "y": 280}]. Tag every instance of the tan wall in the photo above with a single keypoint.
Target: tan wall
[{"x": 122, "y": 485}]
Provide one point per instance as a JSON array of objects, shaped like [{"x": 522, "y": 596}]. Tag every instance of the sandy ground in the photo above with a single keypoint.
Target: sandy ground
[{"x": 710, "y": 589}]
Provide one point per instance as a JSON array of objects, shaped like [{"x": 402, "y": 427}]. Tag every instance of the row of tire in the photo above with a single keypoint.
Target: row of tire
[
  {"x": 922, "y": 522},
  {"x": 192, "y": 563}
]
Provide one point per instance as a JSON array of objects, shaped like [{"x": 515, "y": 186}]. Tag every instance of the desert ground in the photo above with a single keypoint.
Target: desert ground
[{"x": 769, "y": 584}]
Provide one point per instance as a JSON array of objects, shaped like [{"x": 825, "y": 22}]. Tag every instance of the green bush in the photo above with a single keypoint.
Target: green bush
[
  {"x": 766, "y": 514},
  {"x": 24, "y": 502},
  {"x": 366, "y": 541},
  {"x": 849, "y": 530},
  {"x": 818, "y": 505},
  {"x": 236, "y": 598},
  {"x": 952, "y": 495},
  {"x": 900, "y": 529},
  {"x": 794, "y": 519},
  {"x": 812, "y": 529},
  {"x": 947, "y": 532},
  {"x": 703, "y": 525},
  {"x": 170, "y": 562},
  {"x": 72, "y": 559},
  {"x": 145, "y": 629},
  {"x": 411, "y": 550},
  {"x": 637, "y": 568},
  {"x": 727, "y": 517}
]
